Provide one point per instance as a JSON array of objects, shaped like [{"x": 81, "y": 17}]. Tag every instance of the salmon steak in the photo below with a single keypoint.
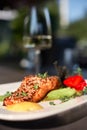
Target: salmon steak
[{"x": 33, "y": 88}]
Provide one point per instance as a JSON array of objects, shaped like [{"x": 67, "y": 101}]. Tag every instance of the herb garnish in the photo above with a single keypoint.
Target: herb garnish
[
  {"x": 42, "y": 75},
  {"x": 36, "y": 86},
  {"x": 84, "y": 91},
  {"x": 52, "y": 103},
  {"x": 24, "y": 94},
  {"x": 2, "y": 97},
  {"x": 64, "y": 99},
  {"x": 77, "y": 70}
]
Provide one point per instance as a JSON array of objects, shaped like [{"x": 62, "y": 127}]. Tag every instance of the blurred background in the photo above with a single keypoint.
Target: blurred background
[{"x": 69, "y": 37}]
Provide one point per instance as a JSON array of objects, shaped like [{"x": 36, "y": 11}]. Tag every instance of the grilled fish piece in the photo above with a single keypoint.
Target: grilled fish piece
[{"x": 33, "y": 88}]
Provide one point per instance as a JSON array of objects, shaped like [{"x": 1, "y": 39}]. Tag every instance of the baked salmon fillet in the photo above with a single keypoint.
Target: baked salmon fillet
[{"x": 33, "y": 88}]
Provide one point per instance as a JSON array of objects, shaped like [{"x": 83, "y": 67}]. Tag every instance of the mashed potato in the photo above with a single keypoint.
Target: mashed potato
[{"x": 24, "y": 107}]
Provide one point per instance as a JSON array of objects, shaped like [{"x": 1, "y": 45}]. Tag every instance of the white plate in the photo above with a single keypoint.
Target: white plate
[{"x": 47, "y": 111}]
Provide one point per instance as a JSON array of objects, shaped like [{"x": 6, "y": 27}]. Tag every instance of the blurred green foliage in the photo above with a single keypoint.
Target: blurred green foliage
[
  {"x": 4, "y": 48},
  {"x": 76, "y": 29},
  {"x": 5, "y": 34},
  {"x": 17, "y": 27}
]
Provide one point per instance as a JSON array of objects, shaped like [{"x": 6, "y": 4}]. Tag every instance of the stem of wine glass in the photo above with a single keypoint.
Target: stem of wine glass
[{"x": 37, "y": 60}]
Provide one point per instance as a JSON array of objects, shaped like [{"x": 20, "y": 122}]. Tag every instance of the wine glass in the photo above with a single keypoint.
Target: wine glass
[{"x": 37, "y": 33}]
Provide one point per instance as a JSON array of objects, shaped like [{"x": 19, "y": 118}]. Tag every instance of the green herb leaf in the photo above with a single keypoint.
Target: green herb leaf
[
  {"x": 52, "y": 103},
  {"x": 36, "y": 86},
  {"x": 2, "y": 97},
  {"x": 64, "y": 99},
  {"x": 43, "y": 75},
  {"x": 24, "y": 94},
  {"x": 85, "y": 91},
  {"x": 77, "y": 71}
]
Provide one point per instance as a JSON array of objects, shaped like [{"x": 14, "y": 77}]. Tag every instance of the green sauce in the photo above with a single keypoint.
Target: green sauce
[{"x": 62, "y": 94}]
